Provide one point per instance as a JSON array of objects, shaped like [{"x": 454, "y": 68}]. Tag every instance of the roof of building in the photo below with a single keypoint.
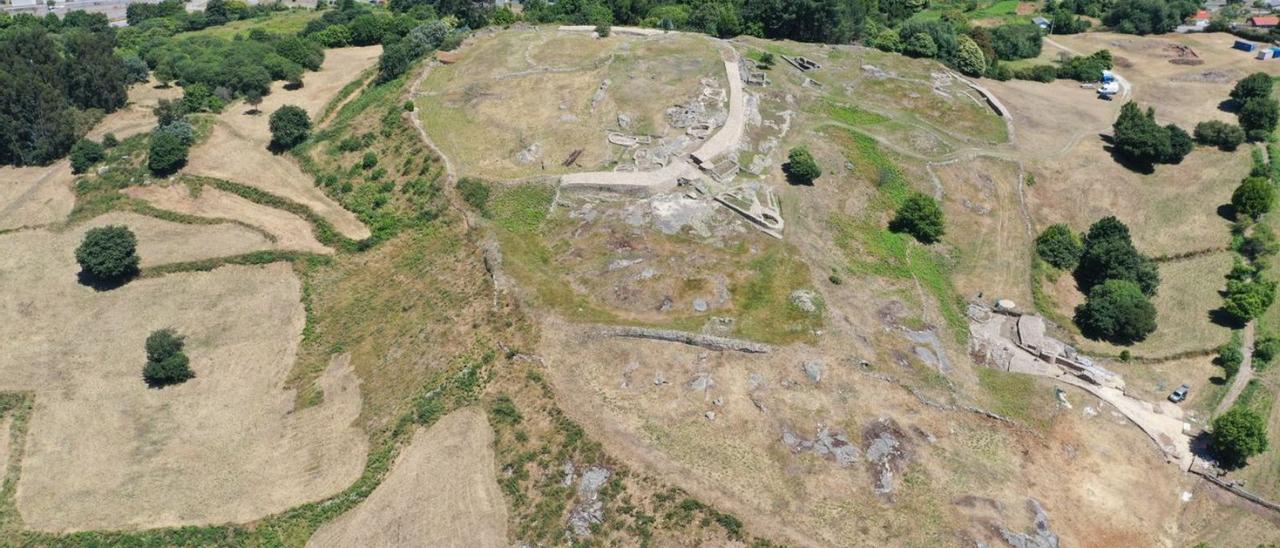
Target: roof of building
[
  {"x": 1031, "y": 330},
  {"x": 1203, "y": 15},
  {"x": 1042, "y": 21},
  {"x": 1264, "y": 20}
]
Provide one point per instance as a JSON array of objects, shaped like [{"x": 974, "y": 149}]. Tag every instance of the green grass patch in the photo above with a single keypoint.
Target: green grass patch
[
  {"x": 1003, "y": 8},
  {"x": 1016, "y": 396},
  {"x": 520, "y": 209},
  {"x": 852, "y": 115},
  {"x": 766, "y": 312},
  {"x": 254, "y": 258},
  {"x": 284, "y": 22},
  {"x": 1258, "y": 397}
]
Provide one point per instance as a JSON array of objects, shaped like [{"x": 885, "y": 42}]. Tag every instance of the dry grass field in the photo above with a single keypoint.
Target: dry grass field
[
  {"x": 136, "y": 116},
  {"x": 534, "y": 90},
  {"x": 35, "y": 196},
  {"x": 440, "y": 492},
  {"x": 163, "y": 242},
  {"x": 237, "y": 151},
  {"x": 288, "y": 231},
  {"x": 229, "y": 445}
]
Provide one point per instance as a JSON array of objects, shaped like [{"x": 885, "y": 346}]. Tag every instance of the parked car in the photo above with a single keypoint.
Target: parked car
[{"x": 1179, "y": 394}]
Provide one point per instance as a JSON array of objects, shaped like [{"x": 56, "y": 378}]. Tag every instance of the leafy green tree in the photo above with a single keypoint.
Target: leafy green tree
[
  {"x": 1180, "y": 144},
  {"x": 167, "y": 153},
  {"x": 1238, "y": 434},
  {"x": 887, "y": 40},
  {"x": 1148, "y": 16},
  {"x": 1220, "y": 134},
  {"x": 1230, "y": 356},
  {"x": 168, "y": 111},
  {"x": 1265, "y": 351},
  {"x": 1138, "y": 136},
  {"x": 1059, "y": 246},
  {"x": 302, "y": 51},
  {"x": 1109, "y": 255},
  {"x": 801, "y": 168},
  {"x": 1016, "y": 41},
  {"x": 93, "y": 75},
  {"x": 136, "y": 70},
  {"x": 1249, "y": 299},
  {"x": 84, "y": 154},
  {"x": 167, "y": 364},
  {"x": 1258, "y": 117},
  {"x": 1254, "y": 86},
  {"x": 1253, "y": 197},
  {"x": 290, "y": 126},
  {"x": 969, "y": 59},
  {"x": 920, "y": 45},
  {"x": 1117, "y": 311},
  {"x": 920, "y": 216},
  {"x": 108, "y": 253}
]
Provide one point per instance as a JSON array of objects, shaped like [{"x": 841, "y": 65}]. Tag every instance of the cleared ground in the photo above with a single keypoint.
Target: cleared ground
[
  {"x": 440, "y": 492},
  {"x": 237, "y": 147},
  {"x": 229, "y": 443},
  {"x": 518, "y": 104},
  {"x": 289, "y": 231},
  {"x": 162, "y": 242},
  {"x": 137, "y": 116},
  {"x": 34, "y": 196}
]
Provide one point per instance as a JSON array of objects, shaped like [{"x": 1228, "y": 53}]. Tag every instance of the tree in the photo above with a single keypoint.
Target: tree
[
  {"x": 1117, "y": 311},
  {"x": 1109, "y": 255},
  {"x": 1254, "y": 86},
  {"x": 1253, "y": 197},
  {"x": 1059, "y": 246},
  {"x": 290, "y": 126},
  {"x": 1258, "y": 117},
  {"x": 887, "y": 40},
  {"x": 1016, "y": 41},
  {"x": 93, "y": 75},
  {"x": 167, "y": 364},
  {"x": 603, "y": 29},
  {"x": 84, "y": 154},
  {"x": 1140, "y": 138},
  {"x": 109, "y": 253},
  {"x": 920, "y": 216},
  {"x": 167, "y": 153},
  {"x": 1249, "y": 299},
  {"x": 969, "y": 57},
  {"x": 253, "y": 98},
  {"x": 136, "y": 70},
  {"x": 168, "y": 111},
  {"x": 1180, "y": 145},
  {"x": 1148, "y": 16},
  {"x": 801, "y": 168},
  {"x": 920, "y": 45},
  {"x": 1230, "y": 356},
  {"x": 1238, "y": 434},
  {"x": 1220, "y": 134}
]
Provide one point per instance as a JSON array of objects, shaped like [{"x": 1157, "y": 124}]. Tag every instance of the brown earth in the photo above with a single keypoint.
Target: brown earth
[
  {"x": 289, "y": 230},
  {"x": 441, "y": 491},
  {"x": 162, "y": 242},
  {"x": 35, "y": 196},
  {"x": 236, "y": 149},
  {"x": 136, "y": 117},
  {"x": 104, "y": 451}
]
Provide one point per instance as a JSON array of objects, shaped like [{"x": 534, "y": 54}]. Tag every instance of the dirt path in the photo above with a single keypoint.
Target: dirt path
[{"x": 1242, "y": 377}]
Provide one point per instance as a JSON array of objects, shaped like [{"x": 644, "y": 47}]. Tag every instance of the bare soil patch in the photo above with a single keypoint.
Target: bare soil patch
[
  {"x": 289, "y": 230},
  {"x": 104, "y": 451},
  {"x": 34, "y": 196},
  {"x": 237, "y": 146},
  {"x": 982, "y": 202},
  {"x": 440, "y": 492}
]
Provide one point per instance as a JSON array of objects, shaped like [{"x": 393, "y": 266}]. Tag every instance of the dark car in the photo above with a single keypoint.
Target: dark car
[{"x": 1179, "y": 393}]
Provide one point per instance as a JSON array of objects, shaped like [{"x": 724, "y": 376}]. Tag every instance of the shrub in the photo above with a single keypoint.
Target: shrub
[
  {"x": 1180, "y": 145},
  {"x": 1230, "y": 356},
  {"x": 84, "y": 154},
  {"x": 368, "y": 161},
  {"x": 108, "y": 253},
  {"x": 180, "y": 129},
  {"x": 1264, "y": 351},
  {"x": 166, "y": 362},
  {"x": 920, "y": 216},
  {"x": 1059, "y": 246},
  {"x": 475, "y": 192},
  {"x": 603, "y": 30},
  {"x": 1249, "y": 299},
  {"x": 408, "y": 106},
  {"x": 110, "y": 141},
  {"x": 920, "y": 44},
  {"x": 1117, "y": 311},
  {"x": 1238, "y": 434},
  {"x": 887, "y": 40},
  {"x": 167, "y": 153},
  {"x": 801, "y": 168},
  {"x": 969, "y": 58},
  {"x": 290, "y": 126},
  {"x": 1038, "y": 73},
  {"x": 1220, "y": 134},
  {"x": 1253, "y": 197},
  {"x": 767, "y": 59},
  {"x": 1016, "y": 41},
  {"x": 1087, "y": 68}
]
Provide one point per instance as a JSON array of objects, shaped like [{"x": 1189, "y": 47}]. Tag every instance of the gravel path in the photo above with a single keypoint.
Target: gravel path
[{"x": 1242, "y": 377}]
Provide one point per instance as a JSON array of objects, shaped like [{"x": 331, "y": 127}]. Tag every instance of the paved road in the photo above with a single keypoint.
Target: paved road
[{"x": 1242, "y": 377}]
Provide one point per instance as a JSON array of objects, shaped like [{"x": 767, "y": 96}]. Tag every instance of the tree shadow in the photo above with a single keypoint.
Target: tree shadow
[
  {"x": 1227, "y": 211},
  {"x": 293, "y": 86},
  {"x": 1221, "y": 317},
  {"x": 1218, "y": 381},
  {"x": 1200, "y": 446},
  {"x": 1129, "y": 163},
  {"x": 1229, "y": 105},
  {"x": 104, "y": 284}
]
